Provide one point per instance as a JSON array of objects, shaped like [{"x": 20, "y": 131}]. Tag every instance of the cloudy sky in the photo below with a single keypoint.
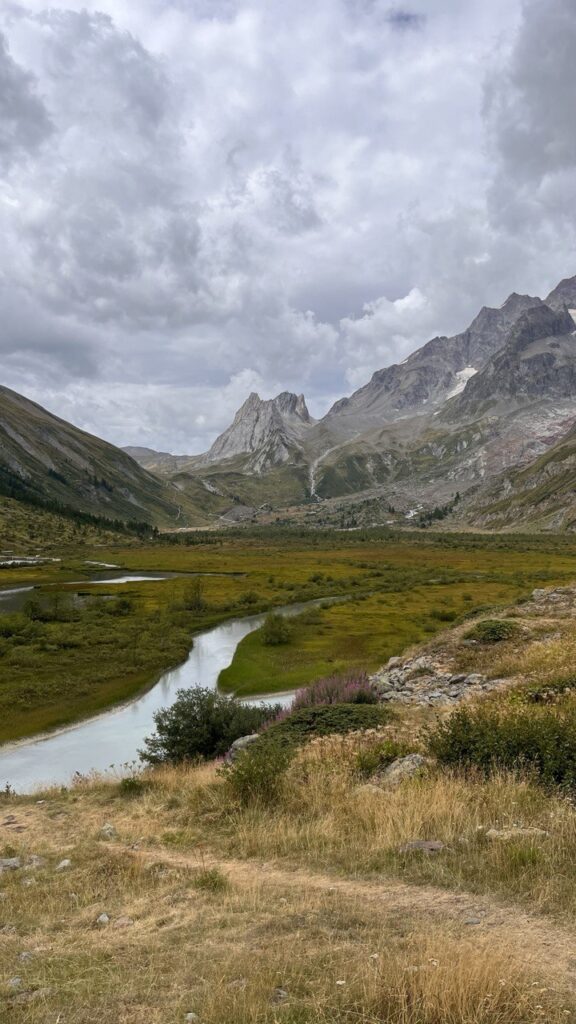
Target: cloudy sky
[{"x": 201, "y": 198}]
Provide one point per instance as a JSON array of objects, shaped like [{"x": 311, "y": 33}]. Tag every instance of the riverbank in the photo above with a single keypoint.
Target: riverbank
[{"x": 56, "y": 672}]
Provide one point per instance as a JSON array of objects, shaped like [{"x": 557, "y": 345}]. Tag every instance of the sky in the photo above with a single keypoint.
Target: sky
[{"x": 204, "y": 198}]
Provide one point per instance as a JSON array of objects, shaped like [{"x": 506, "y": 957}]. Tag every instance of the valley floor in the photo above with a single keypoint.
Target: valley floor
[
  {"x": 167, "y": 897},
  {"x": 70, "y": 662}
]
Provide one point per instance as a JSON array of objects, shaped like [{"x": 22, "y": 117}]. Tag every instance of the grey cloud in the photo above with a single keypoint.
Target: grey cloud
[
  {"x": 24, "y": 120},
  {"x": 531, "y": 117},
  {"x": 403, "y": 20},
  {"x": 259, "y": 195}
]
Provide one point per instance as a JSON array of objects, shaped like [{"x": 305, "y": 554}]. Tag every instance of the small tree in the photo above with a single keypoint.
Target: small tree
[
  {"x": 194, "y": 596},
  {"x": 276, "y": 630},
  {"x": 202, "y": 723}
]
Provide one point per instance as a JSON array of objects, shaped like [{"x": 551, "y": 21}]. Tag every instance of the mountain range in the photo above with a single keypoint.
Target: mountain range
[
  {"x": 459, "y": 415},
  {"x": 484, "y": 420}
]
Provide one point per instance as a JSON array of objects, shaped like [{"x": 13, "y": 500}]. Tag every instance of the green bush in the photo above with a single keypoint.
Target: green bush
[
  {"x": 201, "y": 723},
  {"x": 133, "y": 787},
  {"x": 538, "y": 738},
  {"x": 210, "y": 880},
  {"x": 493, "y": 631},
  {"x": 379, "y": 756},
  {"x": 324, "y": 720},
  {"x": 193, "y": 598},
  {"x": 257, "y": 774},
  {"x": 276, "y": 630}
]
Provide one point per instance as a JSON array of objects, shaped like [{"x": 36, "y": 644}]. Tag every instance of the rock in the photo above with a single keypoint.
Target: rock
[
  {"x": 473, "y": 920},
  {"x": 424, "y": 845},
  {"x": 35, "y": 862},
  {"x": 63, "y": 865},
  {"x": 240, "y": 744},
  {"x": 515, "y": 832},
  {"x": 279, "y": 995},
  {"x": 26, "y": 955},
  {"x": 103, "y": 921},
  {"x": 123, "y": 922},
  {"x": 15, "y": 983},
  {"x": 394, "y": 663},
  {"x": 10, "y": 864},
  {"x": 192, "y": 1018},
  {"x": 475, "y": 679},
  {"x": 402, "y": 768},
  {"x": 29, "y": 881},
  {"x": 108, "y": 831}
]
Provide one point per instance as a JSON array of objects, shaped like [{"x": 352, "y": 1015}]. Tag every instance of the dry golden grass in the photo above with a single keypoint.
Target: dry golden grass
[{"x": 223, "y": 951}]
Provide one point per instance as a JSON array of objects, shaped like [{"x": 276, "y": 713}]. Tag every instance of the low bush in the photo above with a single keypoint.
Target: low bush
[
  {"x": 276, "y": 630},
  {"x": 258, "y": 773},
  {"x": 493, "y": 631},
  {"x": 202, "y": 724},
  {"x": 379, "y": 755},
  {"x": 536, "y": 738},
  {"x": 324, "y": 720},
  {"x": 348, "y": 688}
]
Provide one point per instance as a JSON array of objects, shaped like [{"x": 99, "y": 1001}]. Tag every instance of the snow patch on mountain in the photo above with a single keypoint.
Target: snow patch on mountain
[{"x": 462, "y": 378}]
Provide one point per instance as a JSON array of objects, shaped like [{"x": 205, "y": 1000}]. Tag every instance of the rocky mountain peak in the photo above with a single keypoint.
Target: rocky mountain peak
[
  {"x": 564, "y": 294},
  {"x": 270, "y": 429}
]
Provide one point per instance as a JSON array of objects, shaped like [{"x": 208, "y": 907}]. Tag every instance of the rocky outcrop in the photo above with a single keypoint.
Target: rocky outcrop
[
  {"x": 270, "y": 431},
  {"x": 424, "y": 680}
]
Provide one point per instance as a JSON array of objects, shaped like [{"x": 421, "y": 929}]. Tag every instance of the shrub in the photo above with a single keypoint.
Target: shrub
[
  {"x": 276, "y": 630},
  {"x": 257, "y": 774},
  {"x": 210, "y": 880},
  {"x": 493, "y": 631},
  {"x": 201, "y": 723},
  {"x": 193, "y": 599},
  {"x": 379, "y": 755},
  {"x": 133, "y": 787},
  {"x": 348, "y": 688},
  {"x": 537, "y": 738},
  {"x": 324, "y": 720}
]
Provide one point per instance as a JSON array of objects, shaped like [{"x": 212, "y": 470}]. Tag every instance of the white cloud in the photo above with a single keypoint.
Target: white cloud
[{"x": 207, "y": 198}]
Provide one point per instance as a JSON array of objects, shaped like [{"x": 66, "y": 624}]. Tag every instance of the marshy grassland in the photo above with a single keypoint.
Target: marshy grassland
[{"x": 79, "y": 657}]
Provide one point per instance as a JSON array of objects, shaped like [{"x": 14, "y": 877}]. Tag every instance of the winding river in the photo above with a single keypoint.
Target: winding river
[{"x": 113, "y": 738}]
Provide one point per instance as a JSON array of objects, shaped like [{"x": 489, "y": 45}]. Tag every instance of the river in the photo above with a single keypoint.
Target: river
[{"x": 113, "y": 738}]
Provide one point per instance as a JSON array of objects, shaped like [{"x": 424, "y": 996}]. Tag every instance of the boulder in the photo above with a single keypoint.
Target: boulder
[
  {"x": 240, "y": 744},
  {"x": 108, "y": 831},
  {"x": 424, "y": 845},
  {"x": 10, "y": 864},
  {"x": 400, "y": 769}
]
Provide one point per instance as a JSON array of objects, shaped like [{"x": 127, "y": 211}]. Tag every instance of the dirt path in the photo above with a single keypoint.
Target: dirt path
[{"x": 536, "y": 941}]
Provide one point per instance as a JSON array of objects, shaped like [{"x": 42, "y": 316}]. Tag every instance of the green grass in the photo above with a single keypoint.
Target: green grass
[
  {"x": 413, "y": 584},
  {"x": 359, "y": 634}
]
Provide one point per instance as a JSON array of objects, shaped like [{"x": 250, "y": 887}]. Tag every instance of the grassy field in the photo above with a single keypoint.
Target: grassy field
[
  {"x": 402, "y": 589},
  {"x": 182, "y": 899},
  {"x": 359, "y": 633},
  {"x": 304, "y": 912}
]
